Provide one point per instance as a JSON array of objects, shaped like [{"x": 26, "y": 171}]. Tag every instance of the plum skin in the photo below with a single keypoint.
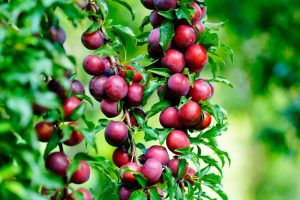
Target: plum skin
[
  {"x": 158, "y": 152},
  {"x": 173, "y": 60},
  {"x": 44, "y": 131},
  {"x": 58, "y": 163},
  {"x": 82, "y": 174},
  {"x": 121, "y": 156},
  {"x": 116, "y": 133},
  {"x": 169, "y": 118},
  {"x": 109, "y": 108},
  {"x": 179, "y": 84},
  {"x": 152, "y": 170},
  {"x": 93, "y": 40},
  {"x": 177, "y": 140},
  {"x": 116, "y": 88},
  {"x": 190, "y": 113}
]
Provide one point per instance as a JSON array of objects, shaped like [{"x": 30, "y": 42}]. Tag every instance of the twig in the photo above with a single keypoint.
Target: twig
[{"x": 132, "y": 142}]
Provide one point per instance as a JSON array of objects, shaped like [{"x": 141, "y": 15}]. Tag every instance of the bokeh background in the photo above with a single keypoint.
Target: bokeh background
[{"x": 263, "y": 139}]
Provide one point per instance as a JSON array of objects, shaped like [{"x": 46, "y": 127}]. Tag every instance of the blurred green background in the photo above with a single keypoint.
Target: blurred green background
[{"x": 263, "y": 139}]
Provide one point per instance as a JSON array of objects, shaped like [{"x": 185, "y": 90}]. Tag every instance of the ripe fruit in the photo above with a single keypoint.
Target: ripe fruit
[
  {"x": 165, "y": 4},
  {"x": 173, "y": 165},
  {"x": 135, "y": 95},
  {"x": 70, "y": 105},
  {"x": 201, "y": 90},
  {"x": 148, "y": 4},
  {"x": 190, "y": 113},
  {"x": 137, "y": 77},
  {"x": 173, "y": 60},
  {"x": 121, "y": 156},
  {"x": 82, "y": 174},
  {"x": 128, "y": 177},
  {"x": 203, "y": 11},
  {"x": 86, "y": 194},
  {"x": 196, "y": 57},
  {"x": 57, "y": 163},
  {"x": 169, "y": 118},
  {"x": 96, "y": 86},
  {"x": 109, "y": 108},
  {"x": 158, "y": 152},
  {"x": 124, "y": 193},
  {"x": 156, "y": 19},
  {"x": 57, "y": 34},
  {"x": 179, "y": 84},
  {"x": 152, "y": 170},
  {"x": 77, "y": 87},
  {"x": 93, "y": 40},
  {"x": 44, "y": 131},
  {"x": 116, "y": 133},
  {"x": 75, "y": 138},
  {"x": 177, "y": 140},
  {"x": 116, "y": 88},
  {"x": 95, "y": 65},
  {"x": 184, "y": 36},
  {"x": 204, "y": 123},
  {"x": 198, "y": 12},
  {"x": 190, "y": 175}
]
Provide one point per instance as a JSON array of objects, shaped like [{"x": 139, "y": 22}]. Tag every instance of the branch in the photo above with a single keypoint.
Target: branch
[{"x": 132, "y": 142}]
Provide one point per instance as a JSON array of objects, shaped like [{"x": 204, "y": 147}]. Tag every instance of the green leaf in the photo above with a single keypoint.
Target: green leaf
[
  {"x": 161, "y": 71},
  {"x": 163, "y": 133},
  {"x": 166, "y": 34},
  {"x": 156, "y": 108},
  {"x": 145, "y": 21},
  {"x": 154, "y": 194},
  {"x": 85, "y": 97},
  {"x": 72, "y": 168},
  {"x": 52, "y": 144},
  {"x": 170, "y": 14},
  {"x": 209, "y": 160},
  {"x": 150, "y": 133},
  {"x": 141, "y": 179},
  {"x": 125, "y": 34},
  {"x": 93, "y": 28},
  {"x": 78, "y": 112},
  {"x": 214, "y": 131},
  {"x": 212, "y": 178},
  {"x": 106, "y": 51},
  {"x": 220, "y": 79},
  {"x": 185, "y": 13},
  {"x": 126, "y": 5},
  {"x": 209, "y": 39},
  {"x": 181, "y": 168},
  {"x": 150, "y": 88},
  {"x": 138, "y": 195},
  {"x": 141, "y": 147},
  {"x": 103, "y": 8}
]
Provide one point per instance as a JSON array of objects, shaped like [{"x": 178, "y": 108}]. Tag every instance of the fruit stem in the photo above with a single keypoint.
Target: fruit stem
[
  {"x": 132, "y": 143},
  {"x": 91, "y": 2},
  {"x": 61, "y": 149}
]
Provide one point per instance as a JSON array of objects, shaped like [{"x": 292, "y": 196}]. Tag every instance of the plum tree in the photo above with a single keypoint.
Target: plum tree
[
  {"x": 173, "y": 60},
  {"x": 152, "y": 170},
  {"x": 169, "y": 118},
  {"x": 82, "y": 174},
  {"x": 115, "y": 87},
  {"x": 190, "y": 113},
  {"x": 121, "y": 156}
]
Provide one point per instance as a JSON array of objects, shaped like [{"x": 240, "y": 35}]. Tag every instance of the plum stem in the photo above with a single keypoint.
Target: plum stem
[{"x": 132, "y": 142}]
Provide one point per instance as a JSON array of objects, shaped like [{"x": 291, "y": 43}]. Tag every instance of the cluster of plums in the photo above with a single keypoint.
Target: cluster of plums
[
  {"x": 108, "y": 84},
  {"x": 58, "y": 162},
  {"x": 182, "y": 52}
]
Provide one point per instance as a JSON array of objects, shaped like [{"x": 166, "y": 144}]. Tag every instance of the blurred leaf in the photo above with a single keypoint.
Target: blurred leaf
[
  {"x": 166, "y": 34},
  {"x": 126, "y": 5},
  {"x": 138, "y": 195}
]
